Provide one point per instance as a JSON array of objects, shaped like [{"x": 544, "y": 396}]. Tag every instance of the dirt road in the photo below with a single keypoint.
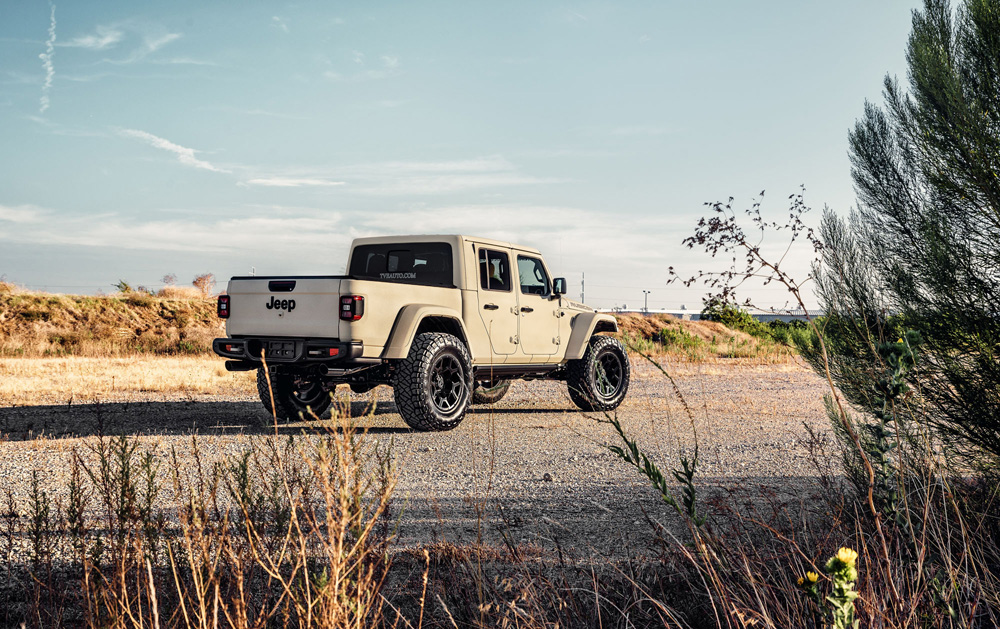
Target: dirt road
[{"x": 535, "y": 465}]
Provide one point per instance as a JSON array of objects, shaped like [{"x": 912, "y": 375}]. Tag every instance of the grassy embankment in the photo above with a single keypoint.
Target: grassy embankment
[
  {"x": 55, "y": 348},
  {"x": 60, "y": 348},
  {"x": 177, "y": 321},
  {"x": 182, "y": 321}
]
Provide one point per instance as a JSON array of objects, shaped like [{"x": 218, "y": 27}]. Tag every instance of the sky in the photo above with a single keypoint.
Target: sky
[{"x": 185, "y": 137}]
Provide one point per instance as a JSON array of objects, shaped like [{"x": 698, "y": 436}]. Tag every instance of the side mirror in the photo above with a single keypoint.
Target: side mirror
[{"x": 559, "y": 286}]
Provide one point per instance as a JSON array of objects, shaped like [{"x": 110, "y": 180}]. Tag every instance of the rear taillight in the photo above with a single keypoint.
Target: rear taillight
[
  {"x": 318, "y": 352},
  {"x": 223, "y": 307},
  {"x": 352, "y": 307}
]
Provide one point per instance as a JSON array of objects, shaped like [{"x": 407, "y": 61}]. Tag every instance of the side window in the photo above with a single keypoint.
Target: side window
[
  {"x": 494, "y": 270},
  {"x": 533, "y": 279}
]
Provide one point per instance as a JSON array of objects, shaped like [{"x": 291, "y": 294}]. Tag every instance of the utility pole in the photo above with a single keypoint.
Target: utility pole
[
  {"x": 583, "y": 291},
  {"x": 645, "y": 298}
]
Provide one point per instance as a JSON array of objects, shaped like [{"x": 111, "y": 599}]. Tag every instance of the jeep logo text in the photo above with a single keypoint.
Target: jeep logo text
[{"x": 280, "y": 304}]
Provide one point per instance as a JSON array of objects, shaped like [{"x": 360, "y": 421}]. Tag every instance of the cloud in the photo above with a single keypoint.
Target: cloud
[
  {"x": 47, "y": 65},
  {"x": 105, "y": 37},
  {"x": 279, "y": 23},
  {"x": 151, "y": 42},
  {"x": 155, "y": 43},
  {"x": 366, "y": 72},
  {"x": 570, "y": 237},
  {"x": 291, "y": 182},
  {"x": 397, "y": 178},
  {"x": 184, "y": 155},
  {"x": 424, "y": 178},
  {"x": 286, "y": 231},
  {"x": 579, "y": 237},
  {"x": 21, "y": 214}
]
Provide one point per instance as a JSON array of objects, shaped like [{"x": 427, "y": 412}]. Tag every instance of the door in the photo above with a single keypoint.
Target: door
[
  {"x": 539, "y": 327},
  {"x": 497, "y": 300}
]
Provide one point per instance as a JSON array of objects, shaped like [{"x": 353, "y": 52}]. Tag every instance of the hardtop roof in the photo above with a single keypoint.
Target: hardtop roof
[{"x": 449, "y": 238}]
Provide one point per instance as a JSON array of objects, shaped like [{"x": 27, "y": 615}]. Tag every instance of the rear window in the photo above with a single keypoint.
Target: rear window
[{"x": 425, "y": 263}]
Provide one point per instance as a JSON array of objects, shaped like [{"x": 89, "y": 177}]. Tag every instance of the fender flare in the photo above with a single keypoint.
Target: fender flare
[
  {"x": 585, "y": 325},
  {"x": 408, "y": 321}
]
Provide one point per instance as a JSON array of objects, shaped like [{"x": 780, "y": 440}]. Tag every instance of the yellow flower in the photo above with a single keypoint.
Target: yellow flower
[
  {"x": 899, "y": 340},
  {"x": 847, "y": 555},
  {"x": 812, "y": 576},
  {"x": 801, "y": 581}
]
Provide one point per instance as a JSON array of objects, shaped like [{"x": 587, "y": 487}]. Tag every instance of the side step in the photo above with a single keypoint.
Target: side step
[{"x": 516, "y": 371}]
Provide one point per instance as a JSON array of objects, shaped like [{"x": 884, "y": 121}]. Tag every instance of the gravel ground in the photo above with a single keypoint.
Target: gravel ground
[{"x": 537, "y": 464}]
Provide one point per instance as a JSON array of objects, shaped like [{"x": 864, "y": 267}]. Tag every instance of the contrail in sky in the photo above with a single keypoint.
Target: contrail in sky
[
  {"x": 46, "y": 57},
  {"x": 184, "y": 155}
]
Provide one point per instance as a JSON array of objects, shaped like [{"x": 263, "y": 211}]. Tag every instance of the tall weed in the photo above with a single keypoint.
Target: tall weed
[{"x": 293, "y": 531}]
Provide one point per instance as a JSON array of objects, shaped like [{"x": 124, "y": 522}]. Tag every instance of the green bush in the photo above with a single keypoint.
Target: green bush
[
  {"x": 795, "y": 334},
  {"x": 677, "y": 338},
  {"x": 735, "y": 318}
]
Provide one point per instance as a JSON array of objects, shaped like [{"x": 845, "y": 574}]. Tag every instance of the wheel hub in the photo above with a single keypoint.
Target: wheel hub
[
  {"x": 447, "y": 383},
  {"x": 307, "y": 391},
  {"x": 608, "y": 375}
]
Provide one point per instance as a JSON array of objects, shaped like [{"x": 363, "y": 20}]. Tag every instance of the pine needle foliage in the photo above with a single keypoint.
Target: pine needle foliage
[{"x": 920, "y": 252}]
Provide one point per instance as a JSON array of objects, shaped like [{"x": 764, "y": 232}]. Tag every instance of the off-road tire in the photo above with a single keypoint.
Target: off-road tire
[
  {"x": 490, "y": 394},
  {"x": 294, "y": 396},
  {"x": 433, "y": 384},
  {"x": 599, "y": 380}
]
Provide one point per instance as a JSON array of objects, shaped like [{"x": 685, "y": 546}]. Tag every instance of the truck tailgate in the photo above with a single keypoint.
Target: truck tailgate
[{"x": 284, "y": 306}]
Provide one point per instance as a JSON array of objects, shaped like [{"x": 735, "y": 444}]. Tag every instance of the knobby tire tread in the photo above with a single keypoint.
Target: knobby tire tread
[
  {"x": 409, "y": 390},
  {"x": 580, "y": 375}
]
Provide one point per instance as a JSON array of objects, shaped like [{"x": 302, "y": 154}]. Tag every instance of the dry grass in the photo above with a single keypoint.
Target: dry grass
[
  {"x": 7, "y": 288},
  {"x": 32, "y": 324},
  {"x": 25, "y": 381},
  {"x": 283, "y": 534},
  {"x": 699, "y": 341},
  {"x": 180, "y": 292}
]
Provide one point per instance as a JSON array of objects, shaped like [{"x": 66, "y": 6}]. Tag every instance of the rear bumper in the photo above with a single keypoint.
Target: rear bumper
[{"x": 287, "y": 350}]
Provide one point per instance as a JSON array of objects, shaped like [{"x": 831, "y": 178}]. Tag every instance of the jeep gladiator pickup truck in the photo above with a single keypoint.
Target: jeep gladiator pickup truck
[{"x": 446, "y": 321}]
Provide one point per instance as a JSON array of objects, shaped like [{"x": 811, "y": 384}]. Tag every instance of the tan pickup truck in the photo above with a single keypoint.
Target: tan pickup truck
[{"x": 446, "y": 321}]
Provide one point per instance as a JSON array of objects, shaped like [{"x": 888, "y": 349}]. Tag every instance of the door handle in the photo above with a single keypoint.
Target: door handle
[
  {"x": 527, "y": 309},
  {"x": 491, "y": 307}
]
